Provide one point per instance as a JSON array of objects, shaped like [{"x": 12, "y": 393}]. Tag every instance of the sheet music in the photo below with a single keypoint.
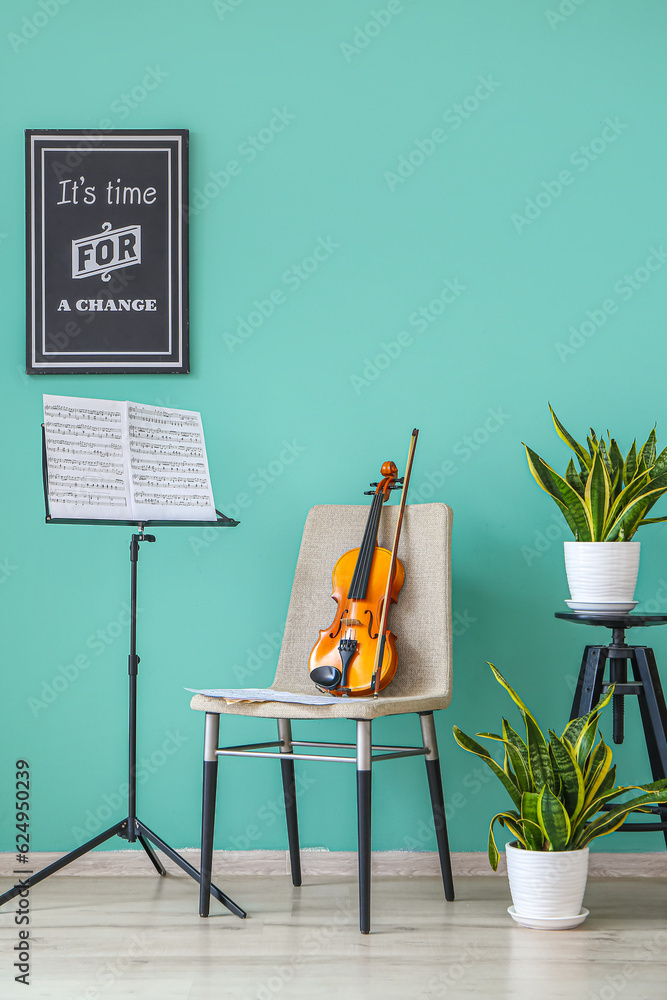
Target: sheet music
[
  {"x": 112, "y": 460},
  {"x": 169, "y": 477},
  {"x": 233, "y": 695},
  {"x": 85, "y": 452}
]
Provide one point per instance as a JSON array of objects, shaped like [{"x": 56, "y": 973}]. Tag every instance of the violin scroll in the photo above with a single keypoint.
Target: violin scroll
[{"x": 389, "y": 473}]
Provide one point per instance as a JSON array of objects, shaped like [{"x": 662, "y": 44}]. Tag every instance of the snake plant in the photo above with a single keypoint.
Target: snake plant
[
  {"x": 560, "y": 785},
  {"x": 607, "y": 498}
]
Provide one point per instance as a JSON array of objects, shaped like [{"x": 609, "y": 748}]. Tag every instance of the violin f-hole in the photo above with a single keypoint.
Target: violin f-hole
[
  {"x": 370, "y": 623},
  {"x": 332, "y": 635}
]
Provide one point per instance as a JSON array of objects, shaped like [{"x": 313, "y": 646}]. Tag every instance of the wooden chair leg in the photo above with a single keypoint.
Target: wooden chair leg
[
  {"x": 437, "y": 800},
  {"x": 211, "y": 736},
  {"x": 364, "y": 755},
  {"x": 289, "y": 793}
]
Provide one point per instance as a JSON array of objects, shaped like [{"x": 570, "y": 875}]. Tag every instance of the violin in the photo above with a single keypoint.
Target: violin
[{"x": 356, "y": 655}]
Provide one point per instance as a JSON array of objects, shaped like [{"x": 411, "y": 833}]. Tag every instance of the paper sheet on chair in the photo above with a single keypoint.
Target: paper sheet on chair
[{"x": 232, "y": 695}]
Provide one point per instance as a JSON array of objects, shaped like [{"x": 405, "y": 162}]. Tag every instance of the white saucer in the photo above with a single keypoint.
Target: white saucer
[
  {"x": 549, "y": 923},
  {"x": 611, "y": 608}
]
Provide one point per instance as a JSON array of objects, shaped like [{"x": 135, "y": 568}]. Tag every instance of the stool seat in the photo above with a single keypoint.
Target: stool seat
[{"x": 612, "y": 620}]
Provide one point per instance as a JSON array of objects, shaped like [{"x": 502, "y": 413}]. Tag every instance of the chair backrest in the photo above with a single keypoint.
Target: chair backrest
[{"x": 422, "y": 617}]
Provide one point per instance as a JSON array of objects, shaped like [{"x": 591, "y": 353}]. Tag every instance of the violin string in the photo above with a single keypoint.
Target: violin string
[
  {"x": 363, "y": 563},
  {"x": 368, "y": 555},
  {"x": 372, "y": 539},
  {"x": 360, "y": 568},
  {"x": 368, "y": 545},
  {"x": 361, "y": 574},
  {"x": 367, "y": 559},
  {"x": 355, "y": 576}
]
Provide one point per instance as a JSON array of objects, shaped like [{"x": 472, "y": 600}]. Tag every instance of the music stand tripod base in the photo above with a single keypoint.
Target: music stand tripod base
[{"x": 131, "y": 828}]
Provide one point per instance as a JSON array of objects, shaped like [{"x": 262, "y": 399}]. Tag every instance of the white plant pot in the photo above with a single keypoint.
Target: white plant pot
[
  {"x": 602, "y": 572},
  {"x": 547, "y": 885}
]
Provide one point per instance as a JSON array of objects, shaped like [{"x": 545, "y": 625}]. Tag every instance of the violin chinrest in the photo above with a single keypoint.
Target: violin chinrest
[{"x": 326, "y": 676}]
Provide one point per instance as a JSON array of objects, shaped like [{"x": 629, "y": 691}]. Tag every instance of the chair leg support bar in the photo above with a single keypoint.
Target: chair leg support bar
[
  {"x": 289, "y": 793},
  {"x": 364, "y": 762},
  {"x": 437, "y": 801}
]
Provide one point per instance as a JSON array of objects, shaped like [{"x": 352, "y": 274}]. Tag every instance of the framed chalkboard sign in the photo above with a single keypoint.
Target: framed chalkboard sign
[{"x": 107, "y": 251}]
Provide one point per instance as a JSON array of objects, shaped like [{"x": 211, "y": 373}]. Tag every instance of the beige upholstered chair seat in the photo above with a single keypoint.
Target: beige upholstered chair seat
[{"x": 344, "y": 708}]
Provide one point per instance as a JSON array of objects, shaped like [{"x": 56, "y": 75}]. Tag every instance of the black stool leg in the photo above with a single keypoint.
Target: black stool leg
[
  {"x": 364, "y": 756},
  {"x": 437, "y": 800},
  {"x": 211, "y": 736},
  {"x": 289, "y": 794},
  {"x": 653, "y": 712},
  {"x": 580, "y": 685},
  {"x": 589, "y": 688}
]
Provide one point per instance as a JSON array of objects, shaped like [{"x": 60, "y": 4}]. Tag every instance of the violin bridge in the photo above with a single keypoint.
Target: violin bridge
[{"x": 351, "y": 623}]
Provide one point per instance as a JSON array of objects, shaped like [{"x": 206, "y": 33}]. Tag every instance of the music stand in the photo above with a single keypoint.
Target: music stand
[{"x": 131, "y": 828}]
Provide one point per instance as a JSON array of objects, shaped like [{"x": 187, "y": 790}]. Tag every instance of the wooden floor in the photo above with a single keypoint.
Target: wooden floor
[{"x": 141, "y": 939}]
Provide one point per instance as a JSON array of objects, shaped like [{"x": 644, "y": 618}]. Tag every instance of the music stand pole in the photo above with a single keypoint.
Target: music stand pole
[
  {"x": 133, "y": 670},
  {"x": 131, "y": 828}
]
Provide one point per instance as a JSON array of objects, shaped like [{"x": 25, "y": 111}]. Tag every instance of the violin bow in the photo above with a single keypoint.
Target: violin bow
[{"x": 379, "y": 653}]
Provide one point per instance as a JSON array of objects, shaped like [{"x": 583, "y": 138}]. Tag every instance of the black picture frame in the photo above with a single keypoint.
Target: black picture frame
[{"x": 107, "y": 251}]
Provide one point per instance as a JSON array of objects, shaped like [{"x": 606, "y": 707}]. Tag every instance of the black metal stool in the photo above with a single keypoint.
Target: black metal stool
[{"x": 646, "y": 686}]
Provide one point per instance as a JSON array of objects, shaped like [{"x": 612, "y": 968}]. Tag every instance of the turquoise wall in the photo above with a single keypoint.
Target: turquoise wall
[{"x": 484, "y": 177}]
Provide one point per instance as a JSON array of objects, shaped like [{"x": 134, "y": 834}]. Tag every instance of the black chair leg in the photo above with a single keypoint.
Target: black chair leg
[
  {"x": 364, "y": 755},
  {"x": 289, "y": 794},
  {"x": 211, "y": 735},
  {"x": 437, "y": 800}
]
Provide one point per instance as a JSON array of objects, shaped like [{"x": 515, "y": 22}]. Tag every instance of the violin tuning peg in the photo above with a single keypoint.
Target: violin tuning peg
[
  {"x": 401, "y": 480},
  {"x": 373, "y": 484},
  {"x": 369, "y": 493}
]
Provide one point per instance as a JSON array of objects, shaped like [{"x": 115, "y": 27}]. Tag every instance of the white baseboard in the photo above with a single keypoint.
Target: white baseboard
[{"x": 322, "y": 862}]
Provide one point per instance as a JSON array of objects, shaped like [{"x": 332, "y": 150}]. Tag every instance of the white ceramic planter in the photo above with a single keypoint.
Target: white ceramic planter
[
  {"x": 547, "y": 884},
  {"x": 602, "y": 572}
]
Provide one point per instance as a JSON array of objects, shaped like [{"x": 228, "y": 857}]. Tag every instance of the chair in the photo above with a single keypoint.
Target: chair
[{"x": 421, "y": 621}]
